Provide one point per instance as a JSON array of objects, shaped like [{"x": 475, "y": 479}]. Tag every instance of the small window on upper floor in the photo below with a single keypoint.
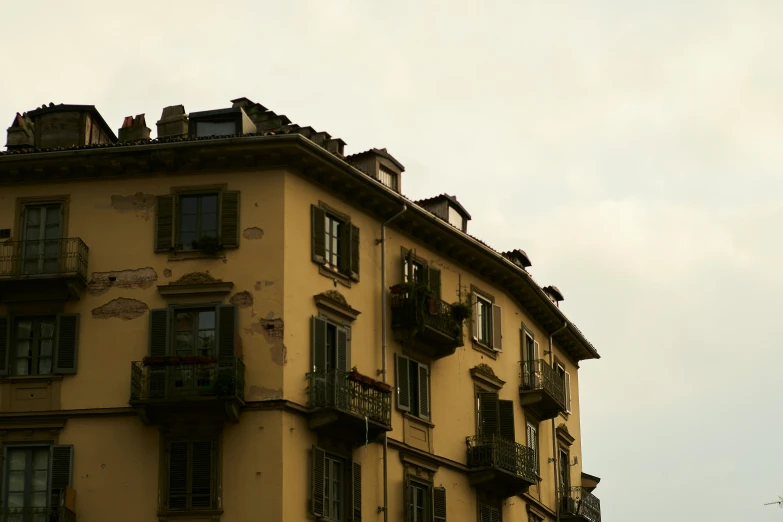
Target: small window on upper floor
[
  {"x": 455, "y": 218},
  {"x": 201, "y": 220},
  {"x": 335, "y": 241},
  {"x": 39, "y": 345},
  {"x": 216, "y": 128},
  {"x": 413, "y": 386},
  {"x": 487, "y": 322},
  {"x": 387, "y": 177}
]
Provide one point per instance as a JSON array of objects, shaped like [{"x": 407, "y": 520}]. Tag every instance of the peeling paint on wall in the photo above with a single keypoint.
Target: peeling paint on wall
[
  {"x": 261, "y": 393},
  {"x": 120, "y": 308},
  {"x": 242, "y": 299},
  {"x": 253, "y": 233},
  {"x": 166, "y": 272},
  {"x": 142, "y": 204},
  {"x": 258, "y": 284},
  {"x": 273, "y": 331},
  {"x": 100, "y": 282}
]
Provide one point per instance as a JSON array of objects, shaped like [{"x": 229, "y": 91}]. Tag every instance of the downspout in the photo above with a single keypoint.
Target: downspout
[
  {"x": 384, "y": 321},
  {"x": 555, "y": 454}
]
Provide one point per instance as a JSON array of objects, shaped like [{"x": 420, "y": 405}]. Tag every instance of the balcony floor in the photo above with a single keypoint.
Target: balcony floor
[{"x": 347, "y": 426}]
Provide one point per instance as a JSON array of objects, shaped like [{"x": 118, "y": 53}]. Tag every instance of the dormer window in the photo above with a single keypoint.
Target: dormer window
[
  {"x": 448, "y": 209},
  {"x": 216, "y": 128},
  {"x": 388, "y": 178},
  {"x": 455, "y": 218},
  {"x": 220, "y": 122}
]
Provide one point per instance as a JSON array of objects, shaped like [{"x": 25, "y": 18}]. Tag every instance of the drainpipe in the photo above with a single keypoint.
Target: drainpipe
[
  {"x": 384, "y": 321},
  {"x": 554, "y": 432}
]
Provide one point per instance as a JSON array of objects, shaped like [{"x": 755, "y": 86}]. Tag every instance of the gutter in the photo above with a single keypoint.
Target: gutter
[{"x": 555, "y": 455}]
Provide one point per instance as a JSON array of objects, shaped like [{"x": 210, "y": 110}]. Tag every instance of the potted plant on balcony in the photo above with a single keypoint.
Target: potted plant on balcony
[{"x": 355, "y": 376}]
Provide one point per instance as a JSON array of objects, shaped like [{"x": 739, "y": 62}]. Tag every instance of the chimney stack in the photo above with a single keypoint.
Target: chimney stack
[
  {"x": 173, "y": 122},
  {"x": 134, "y": 129},
  {"x": 21, "y": 133}
]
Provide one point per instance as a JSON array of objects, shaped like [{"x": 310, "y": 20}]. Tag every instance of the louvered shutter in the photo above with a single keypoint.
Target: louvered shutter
[
  {"x": 5, "y": 344},
  {"x": 318, "y": 333},
  {"x": 537, "y": 367},
  {"x": 474, "y": 300},
  {"x": 317, "y": 493},
  {"x": 355, "y": 253},
  {"x": 227, "y": 320},
  {"x": 532, "y": 442},
  {"x": 229, "y": 219},
  {"x": 178, "y": 475},
  {"x": 344, "y": 249},
  {"x": 495, "y": 513},
  {"x": 401, "y": 369},
  {"x": 159, "y": 347},
  {"x": 485, "y": 514},
  {"x": 439, "y": 504},
  {"x": 61, "y": 466},
  {"x": 433, "y": 280},
  {"x": 568, "y": 392},
  {"x": 164, "y": 223},
  {"x": 424, "y": 392},
  {"x": 408, "y": 499},
  {"x": 506, "y": 415},
  {"x": 67, "y": 343},
  {"x": 488, "y": 414},
  {"x": 497, "y": 328},
  {"x": 343, "y": 355},
  {"x": 318, "y": 231},
  {"x": 357, "y": 492},
  {"x": 201, "y": 474}
]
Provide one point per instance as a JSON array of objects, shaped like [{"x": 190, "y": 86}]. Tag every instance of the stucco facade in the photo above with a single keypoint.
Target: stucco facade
[{"x": 394, "y": 445}]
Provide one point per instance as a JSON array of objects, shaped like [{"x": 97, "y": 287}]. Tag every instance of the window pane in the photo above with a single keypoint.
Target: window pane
[
  {"x": 16, "y": 481},
  {"x": 24, "y": 329},
  {"x": 16, "y": 459},
  {"x": 47, "y": 329},
  {"x": 24, "y": 349},
  {"x": 15, "y": 500},
  {"x": 39, "y": 480},
  {"x": 45, "y": 348},
  {"x": 216, "y": 128},
  {"x": 184, "y": 341},
  {"x": 184, "y": 321},
  {"x": 38, "y": 499},
  {"x": 187, "y": 239},
  {"x": 189, "y": 223},
  {"x": 45, "y": 366},
  {"x": 209, "y": 204},
  {"x": 41, "y": 459},
  {"x": 189, "y": 204},
  {"x": 206, "y": 342},
  {"x": 24, "y": 367},
  {"x": 206, "y": 320}
]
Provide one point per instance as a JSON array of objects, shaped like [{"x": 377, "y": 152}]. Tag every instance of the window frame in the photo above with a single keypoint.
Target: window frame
[
  {"x": 215, "y": 438},
  {"x": 65, "y": 345},
  {"x": 57, "y": 480},
  {"x": 565, "y": 376},
  {"x": 411, "y": 484},
  {"x": 493, "y": 344},
  {"x": 35, "y": 340},
  {"x": 200, "y": 194},
  {"x": 174, "y": 310},
  {"x": 331, "y": 459},
  {"x": 401, "y": 382},
  {"x": 530, "y": 425},
  {"x": 348, "y": 251},
  {"x": 393, "y": 177}
]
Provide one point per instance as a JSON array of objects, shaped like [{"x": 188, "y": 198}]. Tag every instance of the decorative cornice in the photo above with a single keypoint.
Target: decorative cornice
[
  {"x": 563, "y": 435},
  {"x": 333, "y": 301},
  {"x": 485, "y": 374},
  {"x": 195, "y": 283}
]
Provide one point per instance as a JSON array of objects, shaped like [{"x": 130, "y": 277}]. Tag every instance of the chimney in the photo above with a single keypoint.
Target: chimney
[
  {"x": 173, "y": 122},
  {"x": 21, "y": 133},
  {"x": 554, "y": 294},
  {"x": 134, "y": 129}
]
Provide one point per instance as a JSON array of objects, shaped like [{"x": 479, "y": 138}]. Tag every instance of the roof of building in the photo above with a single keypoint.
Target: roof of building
[
  {"x": 63, "y": 107},
  {"x": 451, "y": 199},
  {"x": 381, "y": 152}
]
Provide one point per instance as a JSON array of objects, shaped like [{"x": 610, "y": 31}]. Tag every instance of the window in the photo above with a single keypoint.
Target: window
[
  {"x": 195, "y": 332},
  {"x": 532, "y": 442},
  {"x": 35, "y": 476},
  {"x": 335, "y": 241},
  {"x": 39, "y": 345},
  {"x": 199, "y": 331},
  {"x": 531, "y": 370},
  {"x": 487, "y": 317},
  {"x": 413, "y": 386},
  {"x": 190, "y": 474},
  {"x": 330, "y": 345},
  {"x": 42, "y": 229},
  {"x": 424, "y": 503},
  {"x": 565, "y": 378},
  {"x": 336, "y": 487},
  {"x": 206, "y": 220},
  {"x": 495, "y": 416},
  {"x": 417, "y": 270},
  {"x": 565, "y": 473},
  {"x": 388, "y": 178},
  {"x": 216, "y": 128},
  {"x": 455, "y": 218},
  {"x": 489, "y": 513}
]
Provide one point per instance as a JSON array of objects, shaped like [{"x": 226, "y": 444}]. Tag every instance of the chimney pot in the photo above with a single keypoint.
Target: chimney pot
[{"x": 134, "y": 129}]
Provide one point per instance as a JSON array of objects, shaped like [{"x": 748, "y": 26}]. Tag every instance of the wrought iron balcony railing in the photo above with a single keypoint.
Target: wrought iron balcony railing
[
  {"x": 408, "y": 313},
  {"x": 579, "y": 502},
  {"x": 538, "y": 375},
  {"x": 44, "y": 257},
  {"x": 37, "y": 514},
  {"x": 497, "y": 452},
  {"x": 335, "y": 389},
  {"x": 177, "y": 380}
]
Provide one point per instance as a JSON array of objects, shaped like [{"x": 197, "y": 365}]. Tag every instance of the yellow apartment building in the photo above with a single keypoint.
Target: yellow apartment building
[{"x": 236, "y": 321}]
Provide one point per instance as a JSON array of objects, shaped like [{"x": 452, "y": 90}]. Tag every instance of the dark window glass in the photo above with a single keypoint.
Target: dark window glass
[
  {"x": 34, "y": 346},
  {"x": 27, "y": 478},
  {"x": 198, "y": 219},
  {"x": 333, "y": 488},
  {"x": 333, "y": 228}
]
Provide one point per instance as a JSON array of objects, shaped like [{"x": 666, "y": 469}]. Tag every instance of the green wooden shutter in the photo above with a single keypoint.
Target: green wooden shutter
[
  {"x": 357, "y": 492},
  {"x": 5, "y": 344},
  {"x": 497, "y": 330},
  {"x": 201, "y": 474},
  {"x": 506, "y": 416},
  {"x": 489, "y": 423},
  {"x": 475, "y": 303},
  {"x": 433, "y": 279},
  {"x": 568, "y": 392},
  {"x": 319, "y": 468},
  {"x": 318, "y": 333},
  {"x": 159, "y": 347},
  {"x": 439, "y": 504},
  {"x": 344, "y": 248},
  {"x": 485, "y": 513},
  {"x": 227, "y": 321},
  {"x": 532, "y": 442},
  {"x": 66, "y": 351},
  {"x": 318, "y": 230},
  {"x": 355, "y": 253},
  {"x": 164, "y": 223},
  {"x": 408, "y": 499},
  {"x": 229, "y": 219},
  {"x": 61, "y": 466},
  {"x": 424, "y": 392},
  {"x": 401, "y": 369},
  {"x": 178, "y": 475},
  {"x": 495, "y": 514},
  {"x": 343, "y": 355}
]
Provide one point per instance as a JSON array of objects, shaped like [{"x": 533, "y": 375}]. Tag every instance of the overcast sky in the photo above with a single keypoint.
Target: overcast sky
[{"x": 631, "y": 147}]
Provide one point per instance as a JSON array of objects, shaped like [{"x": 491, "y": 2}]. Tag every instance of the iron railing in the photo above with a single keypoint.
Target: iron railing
[
  {"x": 45, "y": 257},
  {"x": 580, "y": 502},
  {"x": 37, "y": 514},
  {"x": 538, "y": 375},
  {"x": 224, "y": 378},
  {"x": 495, "y": 451},
  {"x": 335, "y": 389},
  {"x": 409, "y": 312}
]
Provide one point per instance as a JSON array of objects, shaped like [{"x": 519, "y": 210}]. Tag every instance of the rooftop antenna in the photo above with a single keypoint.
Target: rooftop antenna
[{"x": 779, "y": 502}]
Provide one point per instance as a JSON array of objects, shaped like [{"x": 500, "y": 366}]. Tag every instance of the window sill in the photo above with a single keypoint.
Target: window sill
[
  {"x": 413, "y": 417},
  {"x": 481, "y": 347},
  {"x": 334, "y": 275},
  {"x": 185, "y": 255},
  {"x": 31, "y": 378},
  {"x": 213, "y": 514}
]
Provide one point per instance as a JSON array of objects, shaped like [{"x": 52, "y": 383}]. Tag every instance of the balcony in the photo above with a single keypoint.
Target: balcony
[
  {"x": 501, "y": 466},
  {"x": 163, "y": 389},
  {"x": 349, "y": 405},
  {"x": 51, "y": 269},
  {"x": 541, "y": 391},
  {"x": 428, "y": 322},
  {"x": 37, "y": 514},
  {"x": 580, "y": 504}
]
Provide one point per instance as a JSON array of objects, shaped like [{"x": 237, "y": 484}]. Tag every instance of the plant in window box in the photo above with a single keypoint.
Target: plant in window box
[
  {"x": 155, "y": 361},
  {"x": 208, "y": 245},
  {"x": 197, "y": 360},
  {"x": 355, "y": 376}
]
